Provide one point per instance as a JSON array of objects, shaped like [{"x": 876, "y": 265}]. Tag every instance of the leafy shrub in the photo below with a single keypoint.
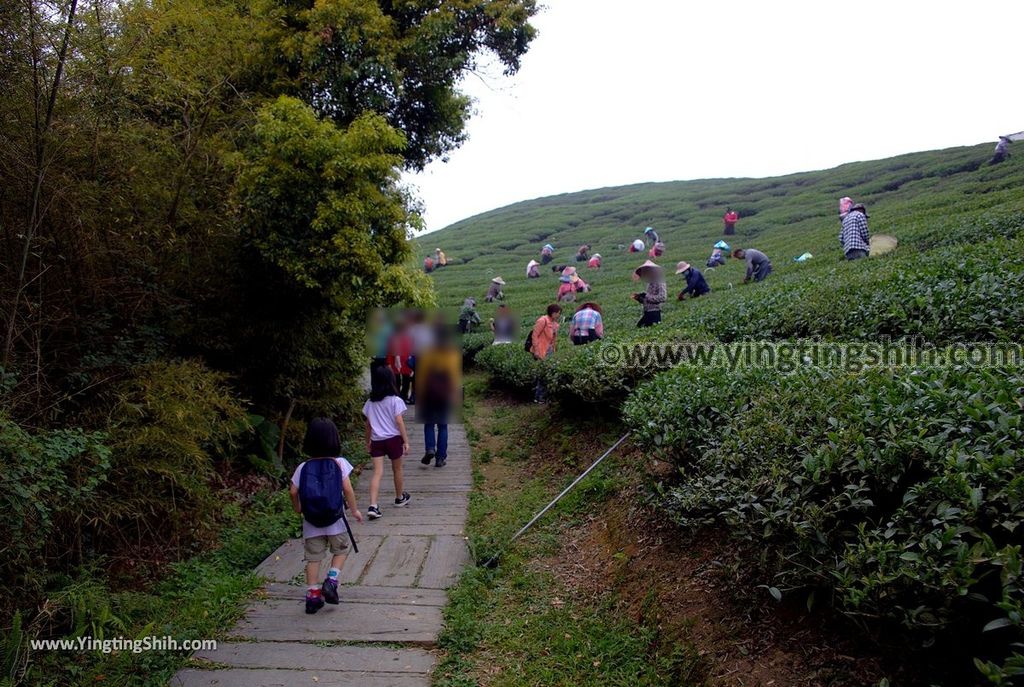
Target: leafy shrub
[
  {"x": 510, "y": 365},
  {"x": 50, "y": 483},
  {"x": 900, "y": 492},
  {"x": 168, "y": 423}
]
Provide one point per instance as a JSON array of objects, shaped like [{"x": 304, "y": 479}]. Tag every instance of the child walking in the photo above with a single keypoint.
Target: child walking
[
  {"x": 321, "y": 490},
  {"x": 385, "y": 436}
]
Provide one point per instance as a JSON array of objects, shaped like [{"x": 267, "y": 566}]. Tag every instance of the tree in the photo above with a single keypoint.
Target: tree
[
  {"x": 402, "y": 60},
  {"x": 327, "y": 227}
]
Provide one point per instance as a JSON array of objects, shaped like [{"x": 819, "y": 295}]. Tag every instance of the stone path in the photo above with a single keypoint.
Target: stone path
[{"x": 392, "y": 594}]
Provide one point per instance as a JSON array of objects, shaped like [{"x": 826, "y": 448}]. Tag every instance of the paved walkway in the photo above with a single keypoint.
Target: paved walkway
[{"x": 392, "y": 594}]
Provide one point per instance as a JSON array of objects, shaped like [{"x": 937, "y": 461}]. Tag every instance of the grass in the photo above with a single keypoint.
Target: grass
[
  {"x": 519, "y": 624},
  {"x": 200, "y": 599}
]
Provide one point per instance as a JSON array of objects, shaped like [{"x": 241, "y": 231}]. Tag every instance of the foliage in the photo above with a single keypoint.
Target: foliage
[
  {"x": 168, "y": 423},
  {"x": 201, "y": 597},
  {"x": 893, "y": 495},
  {"x": 403, "y": 61},
  {"x": 899, "y": 493},
  {"x": 51, "y": 483},
  {"x": 325, "y": 218}
]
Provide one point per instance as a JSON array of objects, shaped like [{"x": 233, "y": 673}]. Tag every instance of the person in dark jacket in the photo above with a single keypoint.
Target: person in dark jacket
[{"x": 696, "y": 285}]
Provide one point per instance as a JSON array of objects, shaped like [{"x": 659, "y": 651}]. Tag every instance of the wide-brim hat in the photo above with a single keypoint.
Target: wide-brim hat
[
  {"x": 499, "y": 281},
  {"x": 722, "y": 245},
  {"x": 596, "y": 255},
  {"x": 682, "y": 266},
  {"x": 648, "y": 230},
  {"x": 569, "y": 271},
  {"x": 532, "y": 263},
  {"x": 646, "y": 267}
]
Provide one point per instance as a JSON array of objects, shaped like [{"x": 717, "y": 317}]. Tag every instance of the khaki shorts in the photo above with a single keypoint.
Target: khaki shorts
[{"x": 315, "y": 547}]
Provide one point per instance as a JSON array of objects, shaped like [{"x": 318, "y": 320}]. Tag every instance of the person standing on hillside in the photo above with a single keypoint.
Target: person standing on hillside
[
  {"x": 853, "y": 234},
  {"x": 543, "y": 342},
  {"x": 1002, "y": 151},
  {"x": 428, "y": 264},
  {"x": 595, "y": 261},
  {"x": 440, "y": 258},
  {"x": 696, "y": 285},
  {"x": 494, "y": 292},
  {"x": 583, "y": 254},
  {"x": 653, "y": 296},
  {"x": 758, "y": 264},
  {"x": 637, "y": 246},
  {"x": 587, "y": 324},
  {"x": 651, "y": 235},
  {"x": 730, "y": 218},
  {"x": 533, "y": 270}
]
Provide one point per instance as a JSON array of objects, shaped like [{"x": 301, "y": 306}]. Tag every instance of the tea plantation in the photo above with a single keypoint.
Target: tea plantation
[{"x": 896, "y": 496}]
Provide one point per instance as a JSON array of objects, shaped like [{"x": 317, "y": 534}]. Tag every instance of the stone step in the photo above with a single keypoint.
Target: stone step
[
  {"x": 351, "y": 659},
  {"x": 281, "y": 620},
  {"x": 261, "y": 677}
]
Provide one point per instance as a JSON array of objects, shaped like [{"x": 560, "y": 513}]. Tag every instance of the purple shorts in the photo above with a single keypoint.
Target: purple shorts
[{"x": 392, "y": 448}]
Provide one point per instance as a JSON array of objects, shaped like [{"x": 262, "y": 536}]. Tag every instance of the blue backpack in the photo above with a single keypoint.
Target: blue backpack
[{"x": 320, "y": 494}]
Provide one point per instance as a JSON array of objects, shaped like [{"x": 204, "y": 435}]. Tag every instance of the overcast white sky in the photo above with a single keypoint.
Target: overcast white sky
[{"x": 623, "y": 91}]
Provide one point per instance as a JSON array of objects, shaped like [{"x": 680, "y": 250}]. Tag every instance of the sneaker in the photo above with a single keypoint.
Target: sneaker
[
  {"x": 441, "y": 462},
  {"x": 314, "y": 601},
  {"x": 330, "y": 591},
  {"x": 404, "y": 501},
  {"x": 427, "y": 458},
  {"x": 373, "y": 513}
]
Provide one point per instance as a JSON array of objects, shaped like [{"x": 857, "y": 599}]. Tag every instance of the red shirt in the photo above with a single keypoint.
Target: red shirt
[
  {"x": 399, "y": 350},
  {"x": 731, "y": 217}
]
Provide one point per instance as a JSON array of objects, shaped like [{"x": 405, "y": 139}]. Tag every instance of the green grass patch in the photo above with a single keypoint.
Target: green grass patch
[{"x": 200, "y": 599}]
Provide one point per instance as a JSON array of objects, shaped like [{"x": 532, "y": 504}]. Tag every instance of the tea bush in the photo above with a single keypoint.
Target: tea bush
[{"x": 898, "y": 492}]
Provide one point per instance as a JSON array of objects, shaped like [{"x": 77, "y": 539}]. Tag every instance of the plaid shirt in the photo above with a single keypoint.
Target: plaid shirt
[
  {"x": 854, "y": 232},
  {"x": 584, "y": 321}
]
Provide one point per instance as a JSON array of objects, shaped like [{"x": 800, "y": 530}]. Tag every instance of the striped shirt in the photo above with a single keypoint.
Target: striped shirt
[{"x": 854, "y": 232}]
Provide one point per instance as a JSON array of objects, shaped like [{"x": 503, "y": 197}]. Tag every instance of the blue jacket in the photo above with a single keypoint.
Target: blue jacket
[{"x": 696, "y": 284}]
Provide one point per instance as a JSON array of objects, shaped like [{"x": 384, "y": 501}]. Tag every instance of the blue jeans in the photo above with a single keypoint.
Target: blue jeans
[{"x": 436, "y": 443}]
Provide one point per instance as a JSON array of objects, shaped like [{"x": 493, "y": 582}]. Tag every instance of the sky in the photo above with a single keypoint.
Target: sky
[{"x": 617, "y": 92}]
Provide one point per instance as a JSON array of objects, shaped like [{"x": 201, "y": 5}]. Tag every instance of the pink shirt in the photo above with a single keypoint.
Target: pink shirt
[
  {"x": 309, "y": 531},
  {"x": 382, "y": 416}
]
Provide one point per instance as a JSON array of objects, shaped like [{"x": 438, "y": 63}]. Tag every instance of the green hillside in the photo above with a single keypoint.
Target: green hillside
[
  {"x": 917, "y": 197},
  {"x": 893, "y": 495}
]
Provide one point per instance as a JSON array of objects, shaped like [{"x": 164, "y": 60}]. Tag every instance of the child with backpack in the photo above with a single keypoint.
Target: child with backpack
[
  {"x": 385, "y": 436},
  {"x": 320, "y": 491}
]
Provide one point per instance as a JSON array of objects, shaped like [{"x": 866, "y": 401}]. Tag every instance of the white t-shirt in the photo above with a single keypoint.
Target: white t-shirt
[
  {"x": 309, "y": 531},
  {"x": 381, "y": 415}
]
